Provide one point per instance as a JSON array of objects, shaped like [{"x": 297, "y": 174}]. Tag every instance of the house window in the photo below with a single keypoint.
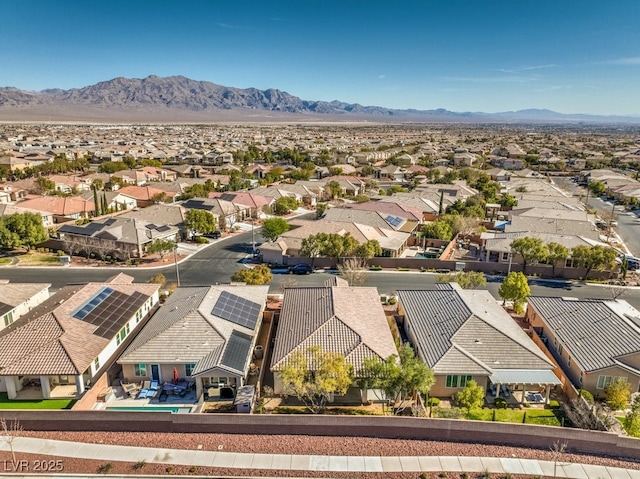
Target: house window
[
  {"x": 140, "y": 370},
  {"x": 569, "y": 361},
  {"x": 455, "y": 381},
  {"x": 8, "y": 318},
  {"x": 559, "y": 348},
  {"x": 122, "y": 334},
  {"x": 138, "y": 316},
  {"x": 604, "y": 381},
  {"x": 96, "y": 364},
  {"x": 505, "y": 256},
  {"x": 188, "y": 368}
]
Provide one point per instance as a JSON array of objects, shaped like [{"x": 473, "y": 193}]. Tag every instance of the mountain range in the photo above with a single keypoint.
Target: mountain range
[{"x": 180, "y": 99}]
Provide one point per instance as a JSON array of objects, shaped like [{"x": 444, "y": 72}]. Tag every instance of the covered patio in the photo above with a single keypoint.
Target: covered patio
[{"x": 523, "y": 385}]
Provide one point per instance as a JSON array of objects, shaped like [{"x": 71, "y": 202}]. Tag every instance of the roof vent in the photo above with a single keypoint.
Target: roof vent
[{"x": 477, "y": 341}]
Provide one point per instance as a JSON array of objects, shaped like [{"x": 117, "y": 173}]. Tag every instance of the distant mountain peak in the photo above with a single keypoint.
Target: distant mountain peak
[{"x": 180, "y": 97}]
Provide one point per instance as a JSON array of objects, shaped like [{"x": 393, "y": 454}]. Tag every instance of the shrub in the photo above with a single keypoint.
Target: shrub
[
  {"x": 375, "y": 267},
  {"x": 586, "y": 395},
  {"x": 105, "y": 468},
  {"x": 442, "y": 474},
  {"x": 169, "y": 470},
  {"x": 193, "y": 469},
  {"x": 501, "y": 403},
  {"x": 139, "y": 465},
  {"x": 464, "y": 475},
  {"x": 201, "y": 240},
  {"x": 391, "y": 301},
  {"x": 433, "y": 402}
]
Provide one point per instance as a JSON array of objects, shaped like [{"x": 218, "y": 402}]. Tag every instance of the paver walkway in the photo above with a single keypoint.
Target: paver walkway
[{"x": 291, "y": 462}]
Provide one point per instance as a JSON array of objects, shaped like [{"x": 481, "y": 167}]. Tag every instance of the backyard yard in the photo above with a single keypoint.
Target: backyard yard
[
  {"x": 6, "y": 403},
  {"x": 543, "y": 417}
]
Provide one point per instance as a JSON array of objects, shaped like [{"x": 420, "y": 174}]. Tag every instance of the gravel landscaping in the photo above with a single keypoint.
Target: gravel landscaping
[{"x": 291, "y": 445}]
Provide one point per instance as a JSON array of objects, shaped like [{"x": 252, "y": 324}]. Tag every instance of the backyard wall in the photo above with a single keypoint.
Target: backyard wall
[{"x": 521, "y": 435}]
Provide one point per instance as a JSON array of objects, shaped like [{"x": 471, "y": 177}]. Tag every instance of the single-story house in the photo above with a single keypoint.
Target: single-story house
[
  {"x": 207, "y": 334},
  {"x": 338, "y": 318},
  {"x": 594, "y": 341},
  {"x": 464, "y": 334},
  {"x": 17, "y": 299},
  {"x": 63, "y": 344}
]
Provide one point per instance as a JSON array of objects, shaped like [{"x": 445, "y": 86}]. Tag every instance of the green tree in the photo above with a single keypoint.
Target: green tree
[
  {"x": 22, "y": 229},
  {"x": 334, "y": 189},
  {"x": 471, "y": 397},
  {"x": 311, "y": 247},
  {"x": 556, "y": 252},
  {"x": 160, "y": 246},
  {"x": 631, "y": 421},
  {"x": 439, "y": 229},
  {"x": 617, "y": 394},
  {"x": 368, "y": 250},
  {"x": 200, "y": 221},
  {"x": 261, "y": 274},
  {"x": 508, "y": 200},
  {"x": 313, "y": 376},
  {"x": 466, "y": 279},
  {"x": 273, "y": 228},
  {"x": 45, "y": 185},
  {"x": 321, "y": 209},
  {"x": 532, "y": 250},
  {"x": 597, "y": 188},
  {"x": 112, "y": 166},
  {"x": 515, "y": 287},
  {"x": 284, "y": 205},
  {"x": 593, "y": 257}
]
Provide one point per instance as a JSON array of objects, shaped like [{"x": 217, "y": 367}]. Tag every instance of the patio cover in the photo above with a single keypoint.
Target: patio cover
[{"x": 524, "y": 376}]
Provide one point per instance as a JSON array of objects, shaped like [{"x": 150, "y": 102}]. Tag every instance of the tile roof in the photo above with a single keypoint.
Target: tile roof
[
  {"x": 342, "y": 319},
  {"x": 49, "y": 340},
  {"x": 597, "y": 333},
  {"x": 466, "y": 330},
  {"x": 14, "y": 294},
  {"x": 185, "y": 330}
]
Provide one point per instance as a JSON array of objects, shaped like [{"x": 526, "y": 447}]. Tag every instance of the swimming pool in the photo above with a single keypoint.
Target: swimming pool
[{"x": 174, "y": 410}]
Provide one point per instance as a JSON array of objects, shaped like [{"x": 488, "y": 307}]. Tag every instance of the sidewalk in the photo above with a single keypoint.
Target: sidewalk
[{"x": 287, "y": 462}]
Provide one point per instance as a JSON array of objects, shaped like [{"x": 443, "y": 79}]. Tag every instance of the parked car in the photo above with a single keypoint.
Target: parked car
[
  {"x": 214, "y": 234},
  {"x": 300, "y": 269}
]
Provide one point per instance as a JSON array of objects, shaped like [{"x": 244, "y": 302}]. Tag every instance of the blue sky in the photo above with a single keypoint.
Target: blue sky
[{"x": 571, "y": 56}]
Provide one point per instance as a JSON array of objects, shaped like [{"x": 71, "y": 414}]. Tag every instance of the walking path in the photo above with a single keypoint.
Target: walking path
[{"x": 288, "y": 462}]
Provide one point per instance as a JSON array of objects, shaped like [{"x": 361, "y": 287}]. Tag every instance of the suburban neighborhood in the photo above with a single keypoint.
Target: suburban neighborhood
[{"x": 463, "y": 206}]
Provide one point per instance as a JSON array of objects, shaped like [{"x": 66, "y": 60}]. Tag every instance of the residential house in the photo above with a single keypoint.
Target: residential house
[
  {"x": 17, "y": 299},
  {"x": 161, "y": 215},
  {"x": 47, "y": 217},
  {"x": 337, "y": 318},
  {"x": 391, "y": 173},
  {"x": 243, "y": 199},
  {"x": 62, "y": 208},
  {"x": 594, "y": 341},
  {"x": 70, "y": 339},
  {"x": 464, "y": 334},
  {"x": 148, "y": 195},
  {"x": 207, "y": 334},
  {"x": 220, "y": 209},
  {"x": 118, "y": 237}
]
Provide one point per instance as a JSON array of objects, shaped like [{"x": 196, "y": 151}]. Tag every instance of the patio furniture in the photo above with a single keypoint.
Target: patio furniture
[
  {"x": 505, "y": 391},
  {"x": 131, "y": 389},
  {"x": 163, "y": 396}
]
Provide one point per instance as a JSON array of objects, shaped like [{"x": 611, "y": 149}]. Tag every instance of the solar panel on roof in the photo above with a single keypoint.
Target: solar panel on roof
[
  {"x": 237, "y": 350},
  {"x": 93, "y": 303},
  {"x": 238, "y": 310},
  {"x": 394, "y": 221}
]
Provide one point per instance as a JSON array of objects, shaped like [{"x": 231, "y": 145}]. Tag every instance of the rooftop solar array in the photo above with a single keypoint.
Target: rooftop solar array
[
  {"x": 93, "y": 303},
  {"x": 237, "y": 351},
  {"x": 238, "y": 310},
  {"x": 113, "y": 312},
  {"x": 394, "y": 221}
]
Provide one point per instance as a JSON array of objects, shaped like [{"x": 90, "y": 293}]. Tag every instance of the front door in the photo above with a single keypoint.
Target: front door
[{"x": 155, "y": 372}]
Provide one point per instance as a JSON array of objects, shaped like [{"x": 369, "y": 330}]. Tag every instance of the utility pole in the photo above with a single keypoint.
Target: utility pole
[{"x": 175, "y": 261}]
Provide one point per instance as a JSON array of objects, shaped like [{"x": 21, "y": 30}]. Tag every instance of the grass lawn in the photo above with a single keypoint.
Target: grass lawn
[
  {"x": 544, "y": 417},
  {"x": 5, "y": 261},
  {"x": 6, "y": 403},
  {"x": 39, "y": 259}
]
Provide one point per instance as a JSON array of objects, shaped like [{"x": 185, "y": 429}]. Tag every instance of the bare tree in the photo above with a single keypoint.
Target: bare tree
[
  {"x": 288, "y": 283},
  {"x": 616, "y": 291},
  {"x": 10, "y": 430},
  {"x": 354, "y": 270},
  {"x": 557, "y": 451}
]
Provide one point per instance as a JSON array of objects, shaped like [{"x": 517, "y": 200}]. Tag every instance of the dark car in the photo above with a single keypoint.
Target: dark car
[
  {"x": 300, "y": 269},
  {"x": 214, "y": 234}
]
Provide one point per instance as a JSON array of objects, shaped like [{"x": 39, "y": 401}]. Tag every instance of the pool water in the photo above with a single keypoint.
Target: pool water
[{"x": 178, "y": 410}]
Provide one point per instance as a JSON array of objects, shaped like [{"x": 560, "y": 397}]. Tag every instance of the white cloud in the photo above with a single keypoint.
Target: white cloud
[
  {"x": 382, "y": 77},
  {"x": 624, "y": 61},
  {"x": 526, "y": 68}
]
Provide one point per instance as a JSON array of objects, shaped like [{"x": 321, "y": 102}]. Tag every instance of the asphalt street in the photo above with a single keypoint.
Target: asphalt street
[{"x": 217, "y": 262}]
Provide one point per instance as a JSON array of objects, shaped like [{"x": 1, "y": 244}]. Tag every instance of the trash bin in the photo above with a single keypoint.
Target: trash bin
[{"x": 258, "y": 351}]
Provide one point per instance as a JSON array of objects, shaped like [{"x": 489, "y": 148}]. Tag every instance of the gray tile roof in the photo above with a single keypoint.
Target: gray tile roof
[
  {"x": 14, "y": 294},
  {"x": 466, "y": 331},
  {"x": 342, "y": 319},
  {"x": 595, "y": 332},
  {"x": 185, "y": 330}
]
